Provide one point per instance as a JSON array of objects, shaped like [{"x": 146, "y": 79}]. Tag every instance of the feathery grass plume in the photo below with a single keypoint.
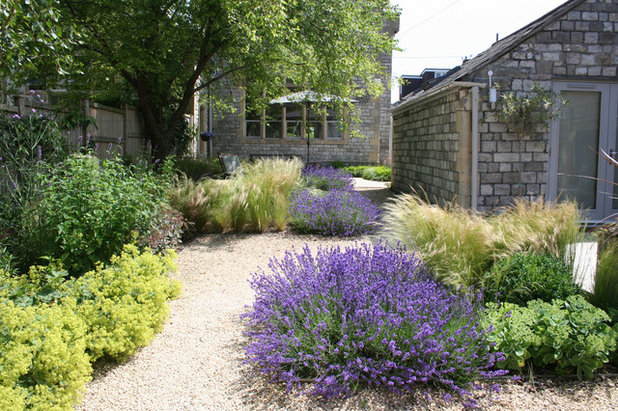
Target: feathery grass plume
[
  {"x": 538, "y": 226},
  {"x": 265, "y": 187},
  {"x": 461, "y": 246},
  {"x": 255, "y": 199},
  {"x": 455, "y": 243},
  {"x": 201, "y": 203}
]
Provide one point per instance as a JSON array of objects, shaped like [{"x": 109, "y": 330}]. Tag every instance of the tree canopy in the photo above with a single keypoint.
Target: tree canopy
[
  {"x": 32, "y": 41},
  {"x": 165, "y": 51}
]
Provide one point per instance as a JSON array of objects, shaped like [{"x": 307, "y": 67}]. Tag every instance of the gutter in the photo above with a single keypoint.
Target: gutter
[
  {"x": 433, "y": 93},
  {"x": 474, "y": 173}
]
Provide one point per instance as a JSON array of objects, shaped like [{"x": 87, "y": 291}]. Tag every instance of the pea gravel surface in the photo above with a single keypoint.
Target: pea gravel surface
[{"x": 196, "y": 362}]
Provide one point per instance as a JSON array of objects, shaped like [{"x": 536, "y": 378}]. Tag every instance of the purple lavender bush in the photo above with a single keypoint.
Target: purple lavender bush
[
  {"x": 338, "y": 212},
  {"x": 364, "y": 316},
  {"x": 327, "y": 178}
]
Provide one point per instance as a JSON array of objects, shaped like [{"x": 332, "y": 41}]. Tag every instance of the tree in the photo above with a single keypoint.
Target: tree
[
  {"x": 32, "y": 41},
  {"x": 165, "y": 51}
]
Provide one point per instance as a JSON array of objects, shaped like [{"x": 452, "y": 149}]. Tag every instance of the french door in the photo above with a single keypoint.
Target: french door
[{"x": 586, "y": 125}]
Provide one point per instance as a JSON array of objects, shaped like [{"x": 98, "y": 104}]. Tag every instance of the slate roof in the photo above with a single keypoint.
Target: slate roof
[{"x": 499, "y": 48}]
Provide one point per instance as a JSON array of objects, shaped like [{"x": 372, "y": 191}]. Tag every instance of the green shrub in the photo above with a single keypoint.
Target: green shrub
[
  {"x": 375, "y": 173},
  {"x": 524, "y": 277},
  {"x": 41, "y": 285},
  {"x": 197, "y": 168},
  {"x": 42, "y": 356},
  {"x": 124, "y": 304},
  {"x": 461, "y": 246},
  {"x": 52, "y": 326},
  {"x": 567, "y": 335},
  {"x": 605, "y": 292},
  {"x": 256, "y": 199},
  {"x": 29, "y": 146},
  {"x": 91, "y": 207}
]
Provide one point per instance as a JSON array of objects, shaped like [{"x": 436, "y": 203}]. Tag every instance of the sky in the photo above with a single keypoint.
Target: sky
[{"x": 440, "y": 33}]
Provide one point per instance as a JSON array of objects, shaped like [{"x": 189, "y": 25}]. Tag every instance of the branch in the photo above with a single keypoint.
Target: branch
[
  {"x": 217, "y": 78},
  {"x": 8, "y": 19}
]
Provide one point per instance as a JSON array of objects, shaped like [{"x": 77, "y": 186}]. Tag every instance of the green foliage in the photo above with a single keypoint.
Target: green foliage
[
  {"x": 614, "y": 355},
  {"x": 124, "y": 304},
  {"x": 158, "y": 52},
  {"x": 524, "y": 277},
  {"x": 255, "y": 200},
  {"x": 523, "y": 114},
  {"x": 32, "y": 41},
  {"x": 566, "y": 335},
  {"x": 375, "y": 173},
  {"x": 41, "y": 285},
  {"x": 42, "y": 356},
  {"x": 91, "y": 207},
  {"x": 197, "y": 168},
  {"x": 605, "y": 292},
  {"x": 29, "y": 146},
  {"x": 52, "y": 326},
  {"x": 461, "y": 246}
]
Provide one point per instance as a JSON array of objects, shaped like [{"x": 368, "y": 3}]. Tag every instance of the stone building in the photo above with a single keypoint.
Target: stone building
[
  {"x": 448, "y": 142},
  {"x": 291, "y": 124}
]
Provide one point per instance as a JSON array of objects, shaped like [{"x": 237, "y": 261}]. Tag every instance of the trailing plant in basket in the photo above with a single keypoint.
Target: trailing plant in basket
[{"x": 364, "y": 316}]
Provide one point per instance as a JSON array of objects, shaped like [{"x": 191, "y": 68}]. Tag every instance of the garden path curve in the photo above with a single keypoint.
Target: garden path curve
[{"x": 195, "y": 363}]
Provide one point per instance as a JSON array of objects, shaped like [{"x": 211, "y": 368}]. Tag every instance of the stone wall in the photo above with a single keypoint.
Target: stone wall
[
  {"x": 371, "y": 147},
  {"x": 583, "y": 45},
  {"x": 427, "y": 146}
]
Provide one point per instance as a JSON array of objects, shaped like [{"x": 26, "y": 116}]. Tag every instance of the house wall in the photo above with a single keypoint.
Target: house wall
[
  {"x": 430, "y": 146},
  {"x": 582, "y": 45},
  {"x": 371, "y": 147}
]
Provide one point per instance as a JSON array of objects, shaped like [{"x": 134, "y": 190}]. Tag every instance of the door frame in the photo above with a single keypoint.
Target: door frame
[{"x": 607, "y": 134}]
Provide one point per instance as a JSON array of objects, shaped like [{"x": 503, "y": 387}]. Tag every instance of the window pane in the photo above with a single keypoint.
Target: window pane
[
  {"x": 253, "y": 128},
  {"x": 294, "y": 120},
  {"x": 334, "y": 130},
  {"x": 274, "y": 121},
  {"x": 578, "y": 145},
  {"x": 314, "y": 127}
]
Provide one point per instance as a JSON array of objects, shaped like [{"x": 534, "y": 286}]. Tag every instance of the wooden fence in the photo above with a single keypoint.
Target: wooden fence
[{"x": 116, "y": 131}]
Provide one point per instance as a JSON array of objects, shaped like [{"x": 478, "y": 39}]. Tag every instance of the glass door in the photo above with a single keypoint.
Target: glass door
[{"x": 585, "y": 126}]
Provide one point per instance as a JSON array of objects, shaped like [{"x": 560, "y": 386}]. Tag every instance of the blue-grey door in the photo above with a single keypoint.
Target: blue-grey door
[{"x": 585, "y": 127}]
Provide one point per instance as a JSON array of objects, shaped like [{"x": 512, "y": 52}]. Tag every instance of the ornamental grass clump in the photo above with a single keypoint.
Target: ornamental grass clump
[
  {"x": 364, "y": 316},
  {"x": 255, "y": 199},
  {"x": 327, "y": 178},
  {"x": 461, "y": 246},
  {"x": 338, "y": 212}
]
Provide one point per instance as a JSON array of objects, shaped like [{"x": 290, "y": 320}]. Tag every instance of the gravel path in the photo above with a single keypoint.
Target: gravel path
[{"x": 195, "y": 363}]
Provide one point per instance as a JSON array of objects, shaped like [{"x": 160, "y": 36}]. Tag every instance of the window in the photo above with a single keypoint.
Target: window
[
  {"x": 253, "y": 123},
  {"x": 285, "y": 119},
  {"x": 293, "y": 120},
  {"x": 274, "y": 121}
]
